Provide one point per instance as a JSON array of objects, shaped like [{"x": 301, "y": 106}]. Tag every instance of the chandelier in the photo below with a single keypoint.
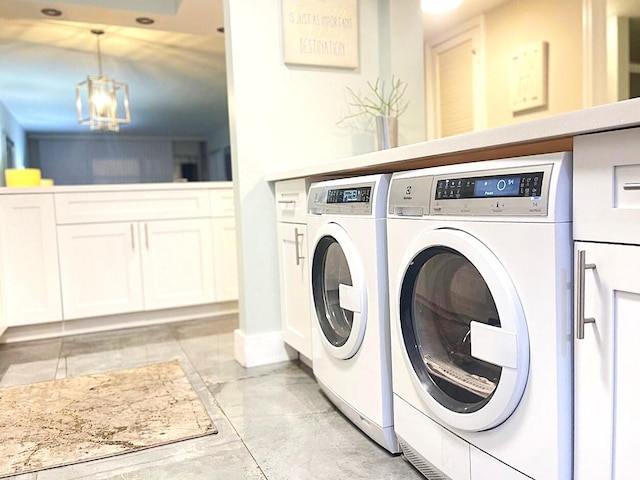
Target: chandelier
[{"x": 107, "y": 101}]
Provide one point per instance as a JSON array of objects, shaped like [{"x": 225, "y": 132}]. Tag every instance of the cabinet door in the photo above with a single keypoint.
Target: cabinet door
[
  {"x": 606, "y": 359},
  {"x": 29, "y": 252},
  {"x": 100, "y": 269},
  {"x": 294, "y": 286},
  {"x": 177, "y": 263},
  {"x": 225, "y": 259}
]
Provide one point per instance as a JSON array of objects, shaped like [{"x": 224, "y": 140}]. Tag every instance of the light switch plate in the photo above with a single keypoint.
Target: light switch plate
[{"x": 528, "y": 77}]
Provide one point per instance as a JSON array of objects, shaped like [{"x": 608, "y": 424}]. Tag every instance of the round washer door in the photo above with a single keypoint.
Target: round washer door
[
  {"x": 339, "y": 291},
  {"x": 463, "y": 329}
]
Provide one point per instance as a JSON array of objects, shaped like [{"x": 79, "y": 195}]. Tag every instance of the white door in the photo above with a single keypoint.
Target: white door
[
  {"x": 177, "y": 263},
  {"x": 225, "y": 259},
  {"x": 294, "y": 286},
  {"x": 100, "y": 269},
  {"x": 606, "y": 377},
  {"x": 455, "y": 82},
  {"x": 30, "y": 275},
  {"x": 463, "y": 330},
  {"x": 339, "y": 291}
]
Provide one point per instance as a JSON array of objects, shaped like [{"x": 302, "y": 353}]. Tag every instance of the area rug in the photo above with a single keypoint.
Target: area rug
[{"x": 73, "y": 420}]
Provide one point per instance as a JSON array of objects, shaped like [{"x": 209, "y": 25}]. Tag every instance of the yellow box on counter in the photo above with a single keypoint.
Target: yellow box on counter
[{"x": 22, "y": 177}]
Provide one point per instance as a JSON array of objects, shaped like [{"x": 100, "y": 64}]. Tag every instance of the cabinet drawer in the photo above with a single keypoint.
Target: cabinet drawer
[
  {"x": 606, "y": 185},
  {"x": 291, "y": 200},
  {"x": 222, "y": 203},
  {"x": 94, "y": 207}
]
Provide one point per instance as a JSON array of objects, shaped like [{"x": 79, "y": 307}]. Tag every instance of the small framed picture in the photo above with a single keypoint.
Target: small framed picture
[{"x": 320, "y": 32}]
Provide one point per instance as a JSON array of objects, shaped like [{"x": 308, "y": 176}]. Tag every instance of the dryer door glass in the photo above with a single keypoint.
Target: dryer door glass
[
  {"x": 329, "y": 271},
  {"x": 442, "y": 293}
]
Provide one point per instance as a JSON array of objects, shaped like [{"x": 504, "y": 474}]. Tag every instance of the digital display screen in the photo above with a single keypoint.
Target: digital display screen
[
  {"x": 524, "y": 185},
  {"x": 497, "y": 187},
  {"x": 349, "y": 195}
]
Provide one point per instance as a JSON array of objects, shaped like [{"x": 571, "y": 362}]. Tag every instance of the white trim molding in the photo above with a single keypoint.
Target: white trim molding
[
  {"x": 261, "y": 349},
  {"x": 594, "y": 53}
]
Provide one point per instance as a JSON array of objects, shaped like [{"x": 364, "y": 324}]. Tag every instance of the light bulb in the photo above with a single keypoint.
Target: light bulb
[
  {"x": 439, "y": 6},
  {"x": 102, "y": 103}
]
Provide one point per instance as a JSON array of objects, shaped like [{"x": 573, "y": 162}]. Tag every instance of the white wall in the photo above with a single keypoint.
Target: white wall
[
  {"x": 521, "y": 22},
  {"x": 285, "y": 116},
  {"x": 10, "y": 127}
]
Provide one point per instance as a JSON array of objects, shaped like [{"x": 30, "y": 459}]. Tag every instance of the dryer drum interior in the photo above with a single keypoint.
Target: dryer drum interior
[
  {"x": 442, "y": 293},
  {"x": 330, "y": 269}
]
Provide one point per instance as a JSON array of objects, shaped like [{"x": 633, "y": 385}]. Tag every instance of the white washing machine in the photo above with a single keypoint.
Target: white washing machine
[
  {"x": 480, "y": 289},
  {"x": 350, "y": 328}
]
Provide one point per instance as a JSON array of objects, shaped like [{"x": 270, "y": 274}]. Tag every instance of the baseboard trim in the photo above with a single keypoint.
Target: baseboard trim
[
  {"x": 261, "y": 349},
  {"x": 117, "y": 322}
]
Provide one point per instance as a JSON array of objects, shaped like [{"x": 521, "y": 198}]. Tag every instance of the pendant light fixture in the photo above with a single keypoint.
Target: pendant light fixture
[{"x": 107, "y": 101}]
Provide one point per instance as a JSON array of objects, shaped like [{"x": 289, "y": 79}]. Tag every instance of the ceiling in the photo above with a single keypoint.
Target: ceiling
[{"x": 175, "y": 68}]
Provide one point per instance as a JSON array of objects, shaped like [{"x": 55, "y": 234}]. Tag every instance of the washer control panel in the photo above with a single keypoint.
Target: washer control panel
[
  {"x": 512, "y": 191},
  {"x": 341, "y": 200}
]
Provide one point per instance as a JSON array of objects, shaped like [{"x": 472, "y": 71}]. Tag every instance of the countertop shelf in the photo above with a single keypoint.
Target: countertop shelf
[
  {"x": 127, "y": 187},
  {"x": 553, "y": 134}
]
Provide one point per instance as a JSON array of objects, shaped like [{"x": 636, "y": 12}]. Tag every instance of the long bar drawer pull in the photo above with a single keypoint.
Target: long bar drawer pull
[
  {"x": 133, "y": 240},
  {"x": 286, "y": 202},
  {"x": 580, "y": 320},
  {"x": 298, "y": 256},
  {"x": 631, "y": 186}
]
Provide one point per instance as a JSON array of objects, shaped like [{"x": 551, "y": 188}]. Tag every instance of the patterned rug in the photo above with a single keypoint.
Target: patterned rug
[{"x": 74, "y": 420}]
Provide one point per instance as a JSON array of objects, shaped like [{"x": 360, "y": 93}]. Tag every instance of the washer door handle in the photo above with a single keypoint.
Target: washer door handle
[
  {"x": 349, "y": 298},
  {"x": 582, "y": 268},
  {"x": 494, "y": 345}
]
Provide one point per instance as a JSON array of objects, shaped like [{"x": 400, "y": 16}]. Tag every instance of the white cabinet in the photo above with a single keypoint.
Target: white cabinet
[
  {"x": 100, "y": 269},
  {"x": 29, "y": 259},
  {"x": 606, "y": 377},
  {"x": 225, "y": 252},
  {"x": 134, "y": 251},
  {"x": 607, "y": 304},
  {"x": 177, "y": 263},
  {"x": 225, "y": 259},
  {"x": 293, "y": 264}
]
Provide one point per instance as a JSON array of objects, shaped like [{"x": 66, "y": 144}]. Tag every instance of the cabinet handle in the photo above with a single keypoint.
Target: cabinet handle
[
  {"x": 146, "y": 236},
  {"x": 580, "y": 320},
  {"x": 298, "y": 256},
  {"x": 286, "y": 202},
  {"x": 133, "y": 240},
  {"x": 631, "y": 186}
]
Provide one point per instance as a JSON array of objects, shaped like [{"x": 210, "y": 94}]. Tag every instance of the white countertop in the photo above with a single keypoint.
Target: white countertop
[
  {"x": 125, "y": 187},
  {"x": 606, "y": 117}
]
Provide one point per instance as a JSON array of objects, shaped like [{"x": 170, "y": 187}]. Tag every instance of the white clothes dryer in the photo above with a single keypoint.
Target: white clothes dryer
[
  {"x": 480, "y": 270},
  {"x": 350, "y": 329}
]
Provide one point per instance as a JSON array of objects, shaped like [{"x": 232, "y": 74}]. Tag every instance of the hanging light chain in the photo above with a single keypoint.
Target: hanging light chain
[{"x": 98, "y": 33}]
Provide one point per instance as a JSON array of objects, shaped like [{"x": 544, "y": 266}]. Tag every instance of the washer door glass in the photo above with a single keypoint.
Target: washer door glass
[
  {"x": 464, "y": 330},
  {"x": 330, "y": 270},
  {"x": 444, "y": 293},
  {"x": 339, "y": 291}
]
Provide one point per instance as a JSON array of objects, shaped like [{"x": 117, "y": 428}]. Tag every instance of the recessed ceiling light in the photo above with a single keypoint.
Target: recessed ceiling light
[
  {"x": 145, "y": 20},
  {"x": 439, "y": 6},
  {"x": 51, "y": 12}
]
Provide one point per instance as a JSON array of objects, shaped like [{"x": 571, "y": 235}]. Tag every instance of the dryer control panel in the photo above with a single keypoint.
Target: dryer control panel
[
  {"x": 511, "y": 191},
  {"x": 341, "y": 199}
]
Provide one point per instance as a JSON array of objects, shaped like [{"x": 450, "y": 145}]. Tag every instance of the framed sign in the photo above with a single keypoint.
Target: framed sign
[{"x": 320, "y": 32}]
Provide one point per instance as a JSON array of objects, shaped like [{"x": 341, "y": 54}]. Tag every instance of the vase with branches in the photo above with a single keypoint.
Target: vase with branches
[{"x": 383, "y": 103}]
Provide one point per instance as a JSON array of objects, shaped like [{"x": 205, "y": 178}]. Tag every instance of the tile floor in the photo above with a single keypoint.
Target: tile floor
[{"x": 273, "y": 421}]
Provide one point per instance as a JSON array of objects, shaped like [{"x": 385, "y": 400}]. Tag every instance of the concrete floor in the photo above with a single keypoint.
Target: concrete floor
[{"x": 273, "y": 421}]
